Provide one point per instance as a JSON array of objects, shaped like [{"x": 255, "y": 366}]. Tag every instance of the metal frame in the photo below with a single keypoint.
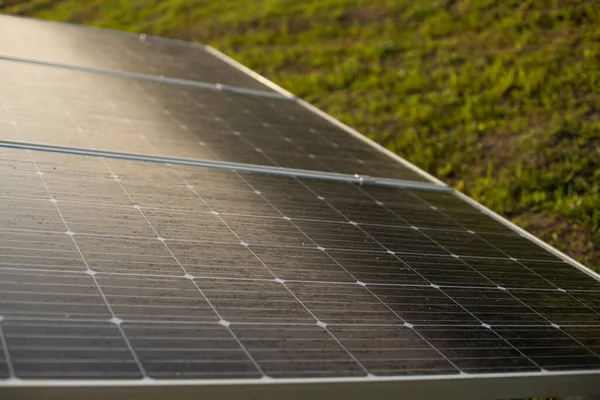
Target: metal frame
[
  {"x": 453, "y": 387},
  {"x": 231, "y": 166},
  {"x": 462, "y": 386}
]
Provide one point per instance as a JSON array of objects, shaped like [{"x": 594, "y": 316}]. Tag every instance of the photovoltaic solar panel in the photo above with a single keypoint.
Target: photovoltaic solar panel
[
  {"x": 123, "y": 278},
  {"x": 164, "y": 252}
]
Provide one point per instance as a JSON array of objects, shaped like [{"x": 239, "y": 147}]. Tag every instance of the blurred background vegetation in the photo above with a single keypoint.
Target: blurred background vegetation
[{"x": 499, "y": 98}]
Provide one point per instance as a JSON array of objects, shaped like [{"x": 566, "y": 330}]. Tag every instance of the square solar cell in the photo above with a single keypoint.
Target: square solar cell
[
  {"x": 47, "y": 295},
  {"x": 189, "y": 351},
  {"x": 590, "y": 300},
  {"x": 477, "y": 350},
  {"x": 40, "y": 251},
  {"x": 253, "y": 301},
  {"x": 342, "y": 303},
  {"x": 378, "y": 268},
  {"x": 32, "y": 215},
  {"x": 302, "y": 264},
  {"x": 95, "y": 219},
  {"x": 297, "y": 351},
  {"x": 462, "y": 243},
  {"x": 587, "y": 336},
  {"x": 562, "y": 308},
  {"x": 186, "y": 225},
  {"x": 518, "y": 247},
  {"x": 218, "y": 260},
  {"x": 550, "y": 348},
  {"x": 511, "y": 273},
  {"x": 265, "y": 231},
  {"x": 444, "y": 270},
  {"x": 496, "y": 306},
  {"x": 404, "y": 240},
  {"x": 424, "y": 305},
  {"x": 561, "y": 274},
  {"x": 154, "y": 299},
  {"x": 338, "y": 235},
  {"x": 69, "y": 350},
  {"x": 365, "y": 212},
  {"x": 118, "y": 255},
  {"x": 389, "y": 351}
]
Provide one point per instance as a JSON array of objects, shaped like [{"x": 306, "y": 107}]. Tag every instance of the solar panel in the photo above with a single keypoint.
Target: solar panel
[{"x": 157, "y": 276}]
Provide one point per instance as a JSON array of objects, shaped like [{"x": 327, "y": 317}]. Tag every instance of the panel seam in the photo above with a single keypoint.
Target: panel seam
[{"x": 231, "y": 166}]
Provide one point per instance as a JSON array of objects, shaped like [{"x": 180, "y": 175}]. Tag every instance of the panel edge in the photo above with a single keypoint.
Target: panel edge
[
  {"x": 226, "y": 165},
  {"x": 475, "y": 387}
]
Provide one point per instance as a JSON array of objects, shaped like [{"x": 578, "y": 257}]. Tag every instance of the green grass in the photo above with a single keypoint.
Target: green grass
[{"x": 499, "y": 98}]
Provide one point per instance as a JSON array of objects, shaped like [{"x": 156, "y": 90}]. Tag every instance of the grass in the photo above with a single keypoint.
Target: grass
[{"x": 499, "y": 98}]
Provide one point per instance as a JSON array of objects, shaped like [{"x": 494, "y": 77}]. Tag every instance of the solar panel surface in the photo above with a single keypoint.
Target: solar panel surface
[{"x": 142, "y": 272}]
